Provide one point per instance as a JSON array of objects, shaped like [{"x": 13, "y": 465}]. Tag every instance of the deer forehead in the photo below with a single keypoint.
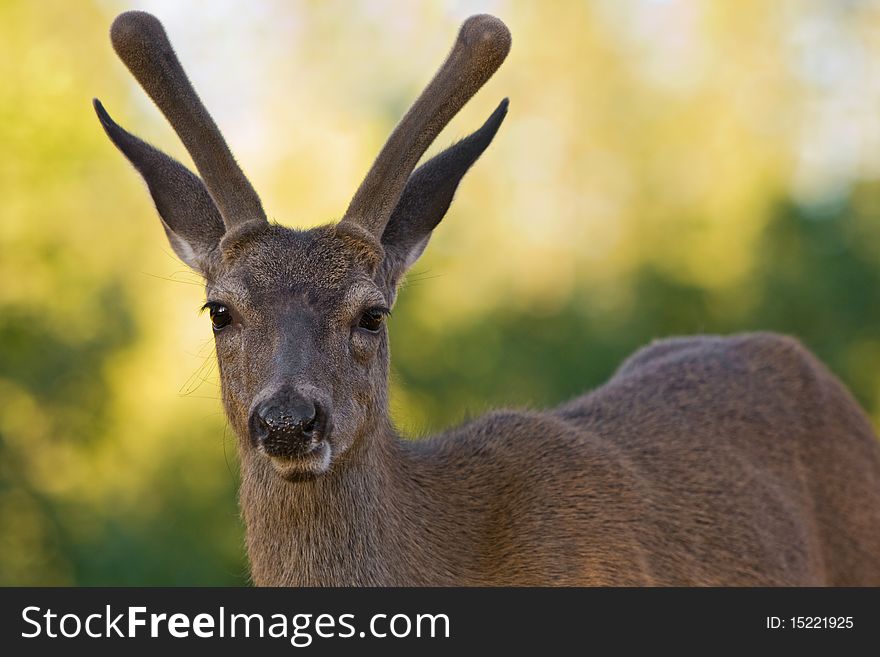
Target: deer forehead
[{"x": 273, "y": 264}]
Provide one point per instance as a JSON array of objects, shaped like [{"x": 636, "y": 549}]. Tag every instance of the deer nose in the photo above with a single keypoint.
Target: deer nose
[{"x": 287, "y": 424}]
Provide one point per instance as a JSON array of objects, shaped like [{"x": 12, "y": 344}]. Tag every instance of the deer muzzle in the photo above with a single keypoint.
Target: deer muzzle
[{"x": 288, "y": 424}]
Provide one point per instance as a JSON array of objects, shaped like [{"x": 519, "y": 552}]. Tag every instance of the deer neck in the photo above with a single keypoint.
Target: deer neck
[{"x": 345, "y": 527}]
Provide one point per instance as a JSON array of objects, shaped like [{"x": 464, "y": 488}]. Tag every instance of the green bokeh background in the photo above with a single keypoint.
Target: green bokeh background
[{"x": 667, "y": 167}]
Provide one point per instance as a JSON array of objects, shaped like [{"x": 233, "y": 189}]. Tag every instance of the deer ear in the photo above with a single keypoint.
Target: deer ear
[
  {"x": 191, "y": 219},
  {"x": 428, "y": 194}
]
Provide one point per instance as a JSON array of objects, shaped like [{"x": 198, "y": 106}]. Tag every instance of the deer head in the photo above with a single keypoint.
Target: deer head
[{"x": 298, "y": 316}]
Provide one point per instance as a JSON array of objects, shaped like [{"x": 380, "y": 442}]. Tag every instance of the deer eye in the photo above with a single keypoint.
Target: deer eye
[
  {"x": 220, "y": 316},
  {"x": 371, "y": 320}
]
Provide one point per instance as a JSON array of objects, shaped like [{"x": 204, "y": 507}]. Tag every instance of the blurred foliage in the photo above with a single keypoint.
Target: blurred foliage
[{"x": 667, "y": 167}]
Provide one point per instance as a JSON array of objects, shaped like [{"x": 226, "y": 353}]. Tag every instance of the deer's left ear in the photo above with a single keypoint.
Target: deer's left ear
[{"x": 427, "y": 196}]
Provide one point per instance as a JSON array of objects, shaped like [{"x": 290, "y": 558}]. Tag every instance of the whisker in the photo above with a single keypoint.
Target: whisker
[
  {"x": 198, "y": 377},
  {"x": 172, "y": 280}
]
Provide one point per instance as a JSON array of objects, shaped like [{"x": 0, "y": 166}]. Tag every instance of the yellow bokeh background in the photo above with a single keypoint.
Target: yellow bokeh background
[{"x": 667, "y": 166}]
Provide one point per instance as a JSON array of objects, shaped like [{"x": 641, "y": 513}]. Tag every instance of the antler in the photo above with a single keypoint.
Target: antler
[
  {"x": 483, "y": 43},
  {"x": 141, "y": 43}
]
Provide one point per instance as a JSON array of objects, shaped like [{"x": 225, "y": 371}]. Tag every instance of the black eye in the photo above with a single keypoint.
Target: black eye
[
  {"x": 371, "y": 320},
  {"x": 220, "y": 316}
]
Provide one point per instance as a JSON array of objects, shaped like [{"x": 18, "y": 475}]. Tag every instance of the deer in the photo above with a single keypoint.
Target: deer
[{"x": 708, "y": 460}]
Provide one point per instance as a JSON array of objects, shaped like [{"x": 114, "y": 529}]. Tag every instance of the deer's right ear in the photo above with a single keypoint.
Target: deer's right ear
[{"x": 191, "y": 219}]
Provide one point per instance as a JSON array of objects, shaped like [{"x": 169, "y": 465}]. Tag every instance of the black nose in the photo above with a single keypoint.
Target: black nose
[{"x": 287, "y": 424}]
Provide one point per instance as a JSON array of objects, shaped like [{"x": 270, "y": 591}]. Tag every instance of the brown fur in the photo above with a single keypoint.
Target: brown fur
[
  {"x": 703, "y": 461},
  {"x": 482, "y": 45},
  {"x": 141, "y": 43}
]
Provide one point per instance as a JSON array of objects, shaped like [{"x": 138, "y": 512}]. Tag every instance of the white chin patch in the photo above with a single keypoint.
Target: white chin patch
[{"x": 316, "y": 462}]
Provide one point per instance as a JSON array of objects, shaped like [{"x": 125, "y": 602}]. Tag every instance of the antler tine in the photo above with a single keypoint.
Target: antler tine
[
  {"x": 141, "y": 43},
  {"x": 482, "y": 44}
]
